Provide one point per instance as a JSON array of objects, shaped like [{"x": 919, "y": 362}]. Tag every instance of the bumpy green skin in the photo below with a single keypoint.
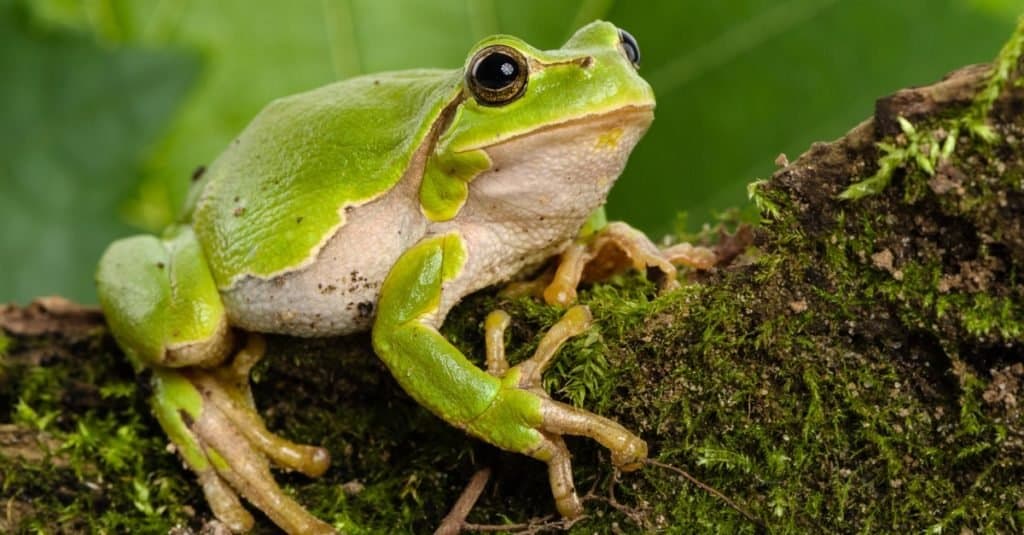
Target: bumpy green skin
[
  {"x": 158, "y": 293},
  {"x": 282, "y": 186},
  {"x": 430, "y": 368}
]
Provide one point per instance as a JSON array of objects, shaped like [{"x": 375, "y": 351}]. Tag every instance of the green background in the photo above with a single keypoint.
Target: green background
[{"x": 108, "y": 106}]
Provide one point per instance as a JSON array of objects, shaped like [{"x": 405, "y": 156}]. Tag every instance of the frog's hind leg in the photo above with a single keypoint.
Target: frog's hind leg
[
  {"x": 228, "y": 389},
  {"x": 210, "y": 418},
  {"x": 164, "y": 309}
]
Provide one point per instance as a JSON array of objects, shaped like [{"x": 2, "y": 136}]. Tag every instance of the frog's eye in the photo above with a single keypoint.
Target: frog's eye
[
  {"x": 630, "y": 48},
  {"x": 497, "y": 75}
]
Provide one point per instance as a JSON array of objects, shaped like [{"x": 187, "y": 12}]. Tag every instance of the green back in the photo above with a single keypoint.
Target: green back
[{"x": 280, "y": 190}]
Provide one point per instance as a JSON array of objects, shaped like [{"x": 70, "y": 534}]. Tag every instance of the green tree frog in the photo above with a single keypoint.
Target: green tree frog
[{"x": 377, "y": 203}]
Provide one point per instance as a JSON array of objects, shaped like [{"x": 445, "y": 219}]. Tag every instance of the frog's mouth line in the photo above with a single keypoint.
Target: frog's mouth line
[{"x": 626, "y": 114}]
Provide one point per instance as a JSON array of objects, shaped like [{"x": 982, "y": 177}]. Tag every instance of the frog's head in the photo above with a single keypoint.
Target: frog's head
[
  {"x": 557, "y": 126},
  {"x": 513, "y": 88}
]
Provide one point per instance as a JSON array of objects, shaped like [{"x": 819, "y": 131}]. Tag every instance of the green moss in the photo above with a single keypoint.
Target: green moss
[
  {"x": 763, "y": 202},
  {"x": 918, "y": 147},
  {"x": 105, "y": 459},
  {"x": 983, "y": 315}
]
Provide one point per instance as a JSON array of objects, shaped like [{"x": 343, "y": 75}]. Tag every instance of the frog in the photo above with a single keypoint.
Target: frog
[{"x": 376, "y": 204}]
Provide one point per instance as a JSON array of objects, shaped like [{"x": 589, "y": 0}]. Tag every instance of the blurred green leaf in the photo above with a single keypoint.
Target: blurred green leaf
[
  {"x": 739, "y": 82},
  {"x": 77, "y": 119},
  {"x": 1004, "y": 8}
]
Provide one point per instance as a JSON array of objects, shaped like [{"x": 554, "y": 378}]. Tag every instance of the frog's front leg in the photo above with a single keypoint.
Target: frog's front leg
[
  {"x": 164, "y": 310},
  {"x": 614, "y": 248},
  {"x": 507, "y": 407}
]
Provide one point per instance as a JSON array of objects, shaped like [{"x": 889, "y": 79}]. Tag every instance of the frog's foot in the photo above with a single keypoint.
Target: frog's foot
[
  {"x": 556, "y": 418},
  {"x": 614, "y": 249},
  {"x": 212, "y": 422}
]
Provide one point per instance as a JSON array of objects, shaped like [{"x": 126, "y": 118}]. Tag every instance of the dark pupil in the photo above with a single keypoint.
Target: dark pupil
[
  {"x": 496, "y": 71},
  {"x": 630, "y": 46}
]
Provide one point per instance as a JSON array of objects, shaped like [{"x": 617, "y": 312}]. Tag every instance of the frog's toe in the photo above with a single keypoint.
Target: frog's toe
[
  {"x": 224, "y": 501},
  {"x": 553, "y": 451},
  {"x": 556, "y": 419},
  {"x": 227, "y": 387},
  {"x": 692, "y": 256},
  {"x": 557, "y": 284},
  {"x": 628, "y": 450},
  {"x": 575, "y": 321},
  {"x": 534, "y": 287},
  {"x": 616, "y": 248},
  {"x": 619, "y": 247},
  {"x": 218, "y": 433},
  {"x": 246, "y": 470},
  {"x": 310, "y": 460}
]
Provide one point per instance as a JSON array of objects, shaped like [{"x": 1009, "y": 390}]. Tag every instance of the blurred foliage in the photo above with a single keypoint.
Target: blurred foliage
[
  {"x": 108, "y": 111},
  {"x": 77, "y": 120}
]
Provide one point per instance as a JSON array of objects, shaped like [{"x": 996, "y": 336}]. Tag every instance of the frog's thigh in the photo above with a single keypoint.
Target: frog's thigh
[{"x": 161, "y": 302}]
